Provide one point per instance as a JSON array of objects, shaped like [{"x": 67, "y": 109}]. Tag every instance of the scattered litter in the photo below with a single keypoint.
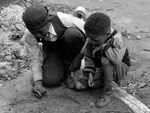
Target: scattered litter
[
  {"x": 142, "y": 84},
  {"x": 147, "y": 50},
  {"x": 60, "y": 7},
  {"x": 3, "y": 64},
  {"x": 3, "y": 103},
  {"x": 131, "y": 89},
  {"x": 92, "y": 104},
  {"x": 144, "y": 73},
  {"x": 133, "y": 60},
  {"x": 138, "y": 37},
  {"x": 143, "y": 32},
  {"x": 13, "y": 59},
  {"x": 128, "y": 35},
  {"x": 56, "y": 110},
  {"x": 11, "y": 15},
  {"x": 109, "y": 9},
  {"x": 1, "y": 85}
]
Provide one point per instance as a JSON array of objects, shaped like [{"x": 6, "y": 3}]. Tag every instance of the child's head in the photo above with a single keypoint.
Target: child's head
[{"x": 97, "y": 27}]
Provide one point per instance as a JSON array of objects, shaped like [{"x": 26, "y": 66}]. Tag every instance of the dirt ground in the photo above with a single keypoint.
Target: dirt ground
[{"x": 131, "y": 17}]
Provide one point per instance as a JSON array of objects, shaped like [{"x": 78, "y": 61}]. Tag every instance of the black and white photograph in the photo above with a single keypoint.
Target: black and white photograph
[{"x": 74, "y": 56}]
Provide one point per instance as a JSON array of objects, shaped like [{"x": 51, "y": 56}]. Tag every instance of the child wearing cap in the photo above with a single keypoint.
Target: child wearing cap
[{"x": 103, "y": 50}]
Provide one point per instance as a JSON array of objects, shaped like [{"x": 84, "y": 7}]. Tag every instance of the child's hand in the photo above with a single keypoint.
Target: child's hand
[
  {"x": 90, "y": 80},
  {"x": 98, "y": 50}
]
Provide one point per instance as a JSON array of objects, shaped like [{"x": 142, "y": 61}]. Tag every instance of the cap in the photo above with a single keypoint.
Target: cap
[{"x": 35, "y": 17}]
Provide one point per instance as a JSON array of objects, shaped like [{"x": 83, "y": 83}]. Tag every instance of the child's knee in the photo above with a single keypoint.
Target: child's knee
[
  {"x": 79, "y": 86},
  {"x": 105, "y": 61}
]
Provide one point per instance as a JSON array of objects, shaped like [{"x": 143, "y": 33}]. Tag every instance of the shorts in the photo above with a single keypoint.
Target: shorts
[{"x": 119, "y": 73}]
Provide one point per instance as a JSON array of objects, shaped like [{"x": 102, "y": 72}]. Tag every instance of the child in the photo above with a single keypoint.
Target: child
[{"x": 104, "y": 50}]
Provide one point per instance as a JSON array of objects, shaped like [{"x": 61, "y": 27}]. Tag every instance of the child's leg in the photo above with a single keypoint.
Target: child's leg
[
  {"x": 79, "y": 86},
  {"x": 108, "y": 69},
  {"x": 108, "y": 78},
  {"x": 120, "y": 72}
]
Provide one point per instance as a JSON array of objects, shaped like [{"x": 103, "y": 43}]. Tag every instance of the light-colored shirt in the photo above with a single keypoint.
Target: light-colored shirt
[
  {"x": 53, "y": 36},
  {"x": 34, "y": 50}
]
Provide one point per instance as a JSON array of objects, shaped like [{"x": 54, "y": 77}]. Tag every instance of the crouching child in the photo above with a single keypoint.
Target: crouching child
[{"x": 105, "y": 54}]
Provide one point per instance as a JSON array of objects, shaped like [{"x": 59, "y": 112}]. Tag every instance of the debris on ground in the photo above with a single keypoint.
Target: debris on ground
[
  {"x": 11, "y": 16},
  {"x": 13, "y": 57},
  {"x": 60, "y": 7}
]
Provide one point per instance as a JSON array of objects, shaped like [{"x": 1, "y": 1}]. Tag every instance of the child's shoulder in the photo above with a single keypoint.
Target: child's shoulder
[
  {"x": 118, "y": 40},
  {"x": 118, "y": 36}
]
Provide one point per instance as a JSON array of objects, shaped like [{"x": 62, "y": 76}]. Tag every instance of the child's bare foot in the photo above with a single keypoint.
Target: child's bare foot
[
  {"x": 102, "y": 102},
  {"x": 108, "y": 90},
  {"x": 79, "y": 86}
]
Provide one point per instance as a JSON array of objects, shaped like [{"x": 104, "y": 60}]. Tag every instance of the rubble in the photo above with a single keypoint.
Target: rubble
[
  {"x": 128, "y": 34},
  {"x": 60, "y": 7},
  {"x": 12, "y": 29},
  {"x": 13, "y": 59},
  {"x": 10, "y": 16}
]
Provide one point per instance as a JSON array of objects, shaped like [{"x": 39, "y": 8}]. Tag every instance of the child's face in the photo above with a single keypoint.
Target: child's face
[{"x": 99, "y": 39}]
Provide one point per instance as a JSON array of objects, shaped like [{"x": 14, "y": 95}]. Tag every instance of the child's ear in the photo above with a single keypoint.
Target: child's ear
[{"x": 108, "y": 31}]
